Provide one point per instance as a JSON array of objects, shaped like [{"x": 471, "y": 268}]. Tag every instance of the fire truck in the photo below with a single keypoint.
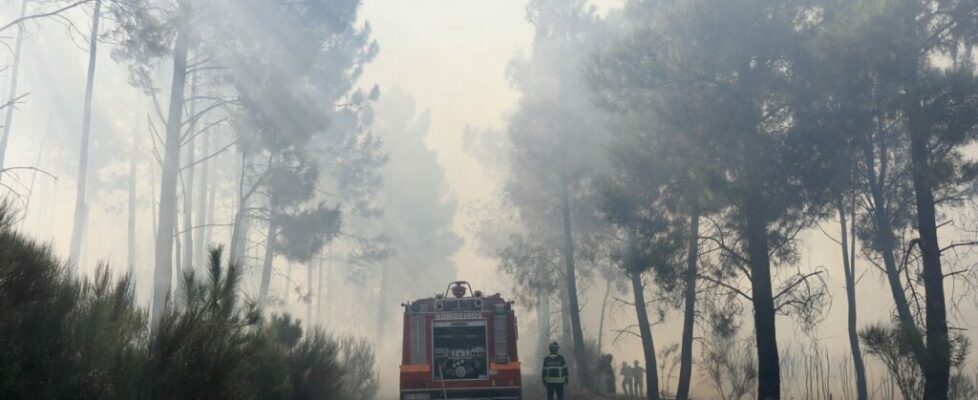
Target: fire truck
[{"x": 460, "y": 345}]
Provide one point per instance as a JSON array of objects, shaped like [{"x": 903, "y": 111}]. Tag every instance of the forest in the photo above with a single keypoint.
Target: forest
[{"x": 237, "y": 199}]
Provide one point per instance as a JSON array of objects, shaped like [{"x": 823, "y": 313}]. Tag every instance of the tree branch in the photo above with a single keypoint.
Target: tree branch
[
  {"x": 43, "y": 15},
  {"x": 731, "y": 288}
]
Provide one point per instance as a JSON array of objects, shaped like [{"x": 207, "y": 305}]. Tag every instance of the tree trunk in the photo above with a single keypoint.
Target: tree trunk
[
  {"x": 309, "y": 295},
  {"x": 849, "y": 268},
  {"x": 768, "y": 365},
  {"x": 543, "y": 323},
  {"x": 287, "y": 283},
  {"x": 577, "y": 332},
  {"x": 81, "y": 199},
  {"x": 645, "y": 329},
  {"x": 887, "y": 244},
  {"x": 131, "y": 231},
  {"x": 331, "y": 286},
  {"x": 203, "y": 209},
  {"x": 604, "y": 307},
  {"x": 319, "y": 295},
  {"x": 689, "y": 312},
  {"x": 266, "y": 271},
  {"x": 8, "y": 118},
  {"x": 566, "y": 338},
  {"x": 176, "y": 258},
  {"x": 238, "y": 225},
  {"x": 188, "y": 182},
  {"x": 163, "y": 272},
  {"x": 154, "y": 215},
  {"x": 209, "y": 222},
  {"x": 938, "y": 371}
]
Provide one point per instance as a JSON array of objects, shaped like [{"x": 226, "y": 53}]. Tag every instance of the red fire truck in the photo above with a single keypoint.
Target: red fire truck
[{"x": 460, "y": 345}]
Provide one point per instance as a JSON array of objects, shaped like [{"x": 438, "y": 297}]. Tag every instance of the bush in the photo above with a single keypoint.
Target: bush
[
  {"x": 360, "y": 381},
  {"x": 65, "y": 338},
  {"x": 891, "y": 345}
]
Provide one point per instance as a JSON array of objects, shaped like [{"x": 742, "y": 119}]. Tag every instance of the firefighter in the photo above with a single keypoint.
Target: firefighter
[{"x": 554, "y": 373}]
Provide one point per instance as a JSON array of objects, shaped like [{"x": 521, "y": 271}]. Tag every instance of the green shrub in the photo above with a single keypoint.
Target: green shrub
[{"x": 65, "y": 338}]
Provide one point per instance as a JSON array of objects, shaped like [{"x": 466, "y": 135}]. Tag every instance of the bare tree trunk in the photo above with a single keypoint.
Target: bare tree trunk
[
  {"x": 566, "y": 338},
  {"x": 163, "y": 272},
  {"x": 604, "y": 307},
  {"x": 188, "y": 182},
  {"x": 309, "y": 292},
  {"x": 81, "y": 199},
  {"x": 689, "y": 312},
  {"x": 938, "y": 368},
  {"x": 8, "y": 119},
  {"x": 287, "y": 282},
  {"x": 153, "y": 205},
  {"x": 131, "y": 225},
  {"x": 331, "y": 286},
  {"x": 768, "y": 364},
  {"x": 178, "y": 271},
  {"x": 849, "y": 268},
  {"x": 577, "y": 331},
  {"x": 266, "y": 272},
  {"x": 645, "y": 330},
  {"x": 209, "y": 229},
  {"x": 203, "y": 209},
  {"x": 319, "y": 296},
  {"x": 238, "y": 225},
  {"x": 543, "y": 323}
]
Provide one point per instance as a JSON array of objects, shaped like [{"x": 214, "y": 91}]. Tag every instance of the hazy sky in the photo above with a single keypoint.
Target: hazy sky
[{"x": 451, "y": 56}]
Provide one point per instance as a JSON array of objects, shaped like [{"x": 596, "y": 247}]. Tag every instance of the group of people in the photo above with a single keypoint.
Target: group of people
[
  {"x": 555, "y": 375},
  {"x": 633, "y": 379}
]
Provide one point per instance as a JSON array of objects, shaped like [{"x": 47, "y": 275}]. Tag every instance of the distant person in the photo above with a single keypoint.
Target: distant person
[
  {"x": 608, "y": 373},
  {"x": 626, "y": 379},
  {"x": 638, "y": 376},
  {"x": 554, "y": 374}
]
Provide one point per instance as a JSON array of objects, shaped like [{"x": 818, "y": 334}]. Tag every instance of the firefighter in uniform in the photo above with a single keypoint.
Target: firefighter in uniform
[{"x": 554, "y": 373}]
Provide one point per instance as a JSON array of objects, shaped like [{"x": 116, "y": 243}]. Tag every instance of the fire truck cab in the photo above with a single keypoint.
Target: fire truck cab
[{"x": 460, "y": 345}]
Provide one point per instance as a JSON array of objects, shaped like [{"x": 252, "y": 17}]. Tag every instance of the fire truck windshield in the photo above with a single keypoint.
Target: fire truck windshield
[{"x": 460, "y": 350}]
